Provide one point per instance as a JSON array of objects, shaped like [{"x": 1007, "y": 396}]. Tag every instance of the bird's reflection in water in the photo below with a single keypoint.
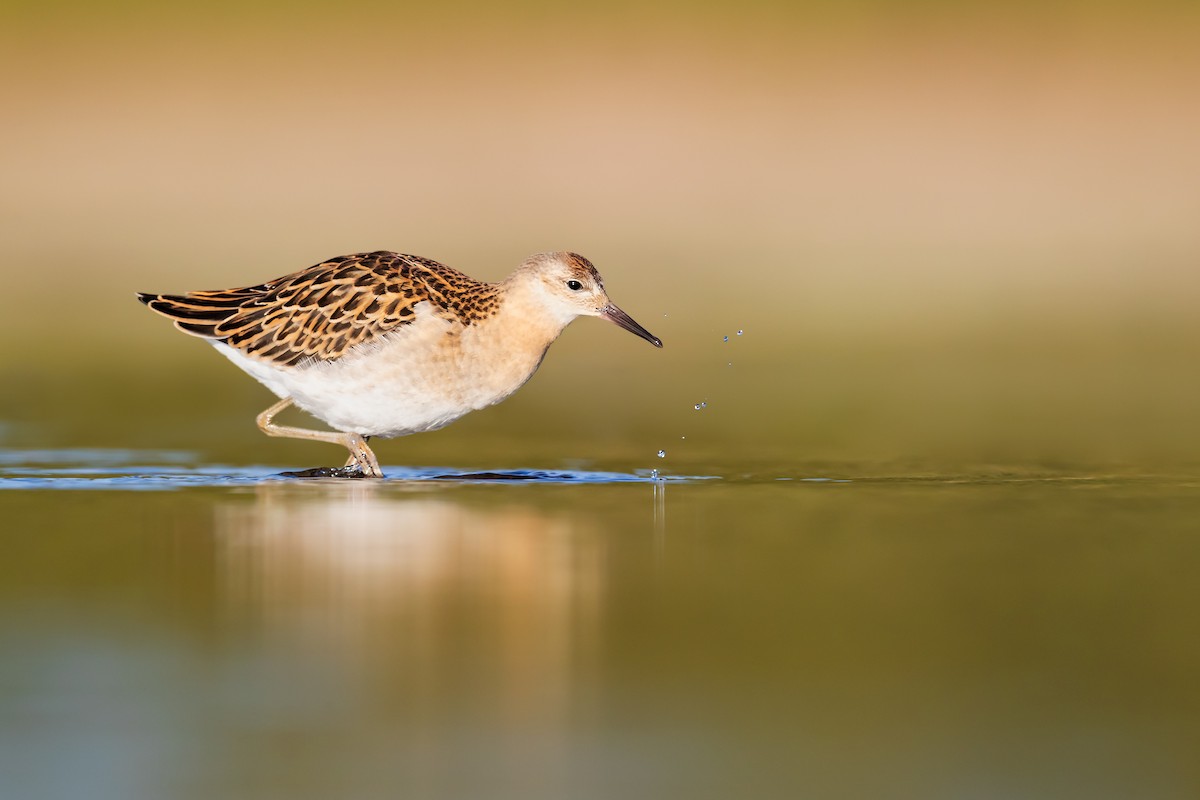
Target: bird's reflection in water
[{"x": 430, "y": 602}]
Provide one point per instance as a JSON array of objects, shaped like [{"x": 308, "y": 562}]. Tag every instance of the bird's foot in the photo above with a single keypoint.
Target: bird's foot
[
  {"x": 362, "y": 458},
  {"x": 348, "y": 471}
]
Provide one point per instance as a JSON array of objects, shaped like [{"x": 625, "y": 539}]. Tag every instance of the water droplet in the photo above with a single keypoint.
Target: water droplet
[
  {"x": 697, "y": 406},
  {"x": 725, "y": 338},
  {"x": 682, "y": 437},
  {"x": 653, "y": 474},
  {"x": 740, "y": 331},
  {"x": 730, "y": 364},
  {"x": 662, "y": 453}
]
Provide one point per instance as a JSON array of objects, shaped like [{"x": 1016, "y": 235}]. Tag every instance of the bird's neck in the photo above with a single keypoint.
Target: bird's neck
[{"x": 526, "y": 320}]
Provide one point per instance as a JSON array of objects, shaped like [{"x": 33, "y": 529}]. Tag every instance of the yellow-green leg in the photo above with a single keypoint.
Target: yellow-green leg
[{"x": 361, "y": 456}]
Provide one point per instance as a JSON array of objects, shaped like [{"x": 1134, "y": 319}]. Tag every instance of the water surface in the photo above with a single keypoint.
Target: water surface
[{"x": 175, "y": 629}]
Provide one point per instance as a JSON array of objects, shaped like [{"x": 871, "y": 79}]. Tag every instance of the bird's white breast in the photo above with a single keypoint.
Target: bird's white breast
[{"x": 419, "y": 377}]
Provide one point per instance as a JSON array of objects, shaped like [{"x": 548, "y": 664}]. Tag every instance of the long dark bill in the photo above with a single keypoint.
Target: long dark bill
[{"x": 614, "y": 314}]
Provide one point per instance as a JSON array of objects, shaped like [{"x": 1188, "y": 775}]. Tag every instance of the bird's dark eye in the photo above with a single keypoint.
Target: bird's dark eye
[{"x": 574, "y": 286}]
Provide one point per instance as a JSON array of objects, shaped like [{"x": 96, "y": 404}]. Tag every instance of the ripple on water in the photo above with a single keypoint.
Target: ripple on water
[
  {"x": 166, "y": 470},
  {"x": 161, "y": 470}
]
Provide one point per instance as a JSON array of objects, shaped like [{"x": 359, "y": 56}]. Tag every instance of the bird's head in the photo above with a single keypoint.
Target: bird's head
[{"x": 568, "y": 286}]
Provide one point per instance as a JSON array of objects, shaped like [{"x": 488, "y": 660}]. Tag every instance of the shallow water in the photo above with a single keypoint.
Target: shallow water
[
  {"x": 152, "y": 470},
  {"x": 177, "y": 629}
]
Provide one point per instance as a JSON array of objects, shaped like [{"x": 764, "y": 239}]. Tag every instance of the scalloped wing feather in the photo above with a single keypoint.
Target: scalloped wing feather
[{"x": 322, "y": 313}]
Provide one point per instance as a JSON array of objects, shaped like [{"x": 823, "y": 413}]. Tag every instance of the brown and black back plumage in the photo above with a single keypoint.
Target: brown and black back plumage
[{"x": 321, "y": 313}]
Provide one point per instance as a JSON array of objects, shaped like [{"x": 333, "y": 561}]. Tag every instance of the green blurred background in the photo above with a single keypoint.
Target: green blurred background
[{"x": 953, "y": 233}]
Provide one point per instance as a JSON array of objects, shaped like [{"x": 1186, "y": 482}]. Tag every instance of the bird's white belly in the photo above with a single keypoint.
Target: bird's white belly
[
  {"x": 421, "y": 378},
  {"x": 378, "y": 403}
]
